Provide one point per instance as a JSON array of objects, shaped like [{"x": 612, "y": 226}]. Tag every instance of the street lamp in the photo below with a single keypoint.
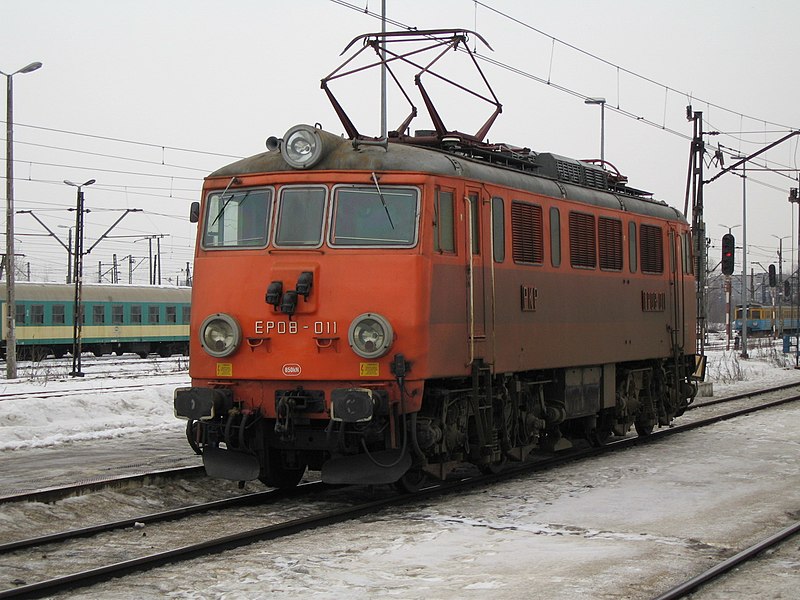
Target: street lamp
[
  {"x": 77, "y": 322},
  {"x": 602, "y": 103},
  {"x": 11, "y": 303},
  {"x": 744, "y": 254}
]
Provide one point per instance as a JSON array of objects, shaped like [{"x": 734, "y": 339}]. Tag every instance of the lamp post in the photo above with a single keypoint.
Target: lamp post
[
  {"x": 11, "y": 304},
  {"x": 744, "y": 254},
  {"x": 77, "y": 321},
  {"x": 602, "y": 103}
]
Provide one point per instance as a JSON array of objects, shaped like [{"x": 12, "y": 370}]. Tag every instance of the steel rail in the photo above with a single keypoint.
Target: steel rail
[
  {"x": 213, "y": 546},
  {"x": 679, "y": 591},
  {"x": 262, "y": 497},
  {"x": 53, "y": 494}
]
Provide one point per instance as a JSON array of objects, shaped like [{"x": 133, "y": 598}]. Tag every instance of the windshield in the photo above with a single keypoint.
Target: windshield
[
  {"x": 301, "y": 213},
  {"x": 368, "y": 216},
  {"x": 237, "y": 219}
]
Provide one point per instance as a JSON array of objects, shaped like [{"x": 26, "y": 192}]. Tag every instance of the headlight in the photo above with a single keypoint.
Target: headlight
[
  {"x": 302, "y": 147},
  {"x": 370, "y": 335},
  {"x": 220, "y": 335}
]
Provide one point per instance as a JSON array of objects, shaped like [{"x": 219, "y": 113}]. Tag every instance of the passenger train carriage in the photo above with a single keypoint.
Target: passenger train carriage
[
  {"x": 116, "y": 318},
  {"x": 383, "y": 314}
]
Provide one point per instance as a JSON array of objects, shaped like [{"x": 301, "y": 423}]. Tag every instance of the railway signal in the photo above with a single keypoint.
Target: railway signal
[
  {"x": 773, "y": 278},
  {"x": 728, "y": 243}
]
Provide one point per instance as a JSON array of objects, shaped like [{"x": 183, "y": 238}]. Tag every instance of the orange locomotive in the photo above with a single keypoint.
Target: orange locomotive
[{"x": 386, "y": 313}]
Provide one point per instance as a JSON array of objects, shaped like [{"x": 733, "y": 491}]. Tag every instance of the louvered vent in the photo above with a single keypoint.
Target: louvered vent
[
  {"x": 651, "y": 248},
  {"x": 526, "y": 233},
  {"x": 609, "y": 237},
  {"x": 582, "y": 240}
]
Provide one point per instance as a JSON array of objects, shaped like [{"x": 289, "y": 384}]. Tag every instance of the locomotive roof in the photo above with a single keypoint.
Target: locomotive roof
[{"x": 545, "y": 174}]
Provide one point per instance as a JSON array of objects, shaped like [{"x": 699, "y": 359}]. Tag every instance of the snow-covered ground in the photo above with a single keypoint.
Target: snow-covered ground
[
  {"x": 625, "y": 525},
  {"x": 142, "y": 402}
]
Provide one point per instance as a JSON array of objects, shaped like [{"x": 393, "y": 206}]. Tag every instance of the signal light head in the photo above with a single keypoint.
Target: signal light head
[{"x": 728, "y": 248}]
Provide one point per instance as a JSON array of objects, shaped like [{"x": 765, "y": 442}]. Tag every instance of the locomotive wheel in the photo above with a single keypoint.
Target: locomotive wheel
[
  {"x": 411, "y": 481},
  {"x": 274, "y": 474},
  {"x": 644, "y": 429},
  {"x": 600, "y": 434}
]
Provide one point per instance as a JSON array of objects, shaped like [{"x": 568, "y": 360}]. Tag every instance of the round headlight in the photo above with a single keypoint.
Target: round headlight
[
  {"x": 220, "y": 335},
  {"x": 370, "y": 335},
  {"x": 302, "y": 147}
]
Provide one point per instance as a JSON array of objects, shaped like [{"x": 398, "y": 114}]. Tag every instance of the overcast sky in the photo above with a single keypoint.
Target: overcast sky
[{"x": 149, "y": 96}]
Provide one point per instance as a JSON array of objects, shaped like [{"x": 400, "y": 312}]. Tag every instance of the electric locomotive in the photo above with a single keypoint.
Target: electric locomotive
[{"x": 385, "y": 310}]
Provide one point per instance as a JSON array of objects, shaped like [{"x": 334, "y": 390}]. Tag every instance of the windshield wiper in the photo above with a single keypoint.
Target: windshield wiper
[
  {"x": 225, "y": 204},
  {"x": 383, "y": 201}
]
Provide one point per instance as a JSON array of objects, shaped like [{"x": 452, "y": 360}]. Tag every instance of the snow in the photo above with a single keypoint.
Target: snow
[
  {"x": 627, "y": 524},
  {"x": 95, "y": 407},
  {"x": 141, "y": 401}
]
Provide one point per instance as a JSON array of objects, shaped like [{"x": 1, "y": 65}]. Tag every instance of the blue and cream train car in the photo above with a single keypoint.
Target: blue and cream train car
[
  {"x": 116, "y": 318},
  {"x": 767, "y": 320}
]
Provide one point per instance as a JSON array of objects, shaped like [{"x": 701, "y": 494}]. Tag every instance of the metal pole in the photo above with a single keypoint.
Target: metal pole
[
  {"x": 384, "y": 108},
  {"x": 744, "y": 260},
  {"x": 603, "y": 133},
  {"x": 69, "y": 256},
  {"x": 77, "y": 276},
  {"x": 11, "y": 305},
  {"x": 11, "y": 301},
  {"x": 77, "y": 320},
  {"x": 158, "y": 254}
]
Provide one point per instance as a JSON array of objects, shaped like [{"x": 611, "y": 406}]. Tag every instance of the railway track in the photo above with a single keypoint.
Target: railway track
[
  {"x": 739, "y": 559},
  {"x": 349, "y": 508},
  {"x": 161, "y": 474}
]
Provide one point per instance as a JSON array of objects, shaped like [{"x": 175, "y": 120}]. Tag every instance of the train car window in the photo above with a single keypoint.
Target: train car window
[
  {"x": 186, "y": 314},
  {"x": 59, "y": 317},
  {"x": 651, "y": 248},
  {"x": 443, "y": 223},
  {"x": 82, "y": 313},
  {"x": 37, "y": 314},
  {"x": 498, "y": 230},
  {"x": 153, "y": 314},
  {"x": 301, "y": 212},
  {"x": 136, "y": 314},
  {"x": 475, "y": 223},
  {"x": 98, "y": 314},
  {"x": 362, "y": 216},
  {"x": 237, "y": 219},
  {"x": 688, "y": 259},
  {"x": 555, "y": 237},
  {"x": 633, "y": 255},
  {"x": 172, "y": 314},
  {"x": 609, "y": 237},
  {"x": 582, "y": 241},
  {"x": 21, "y": 312},
  {"x": 672, "y": 249},
  {"x": 527, "y": 235},
  {"x": 117, "y": 314}
]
